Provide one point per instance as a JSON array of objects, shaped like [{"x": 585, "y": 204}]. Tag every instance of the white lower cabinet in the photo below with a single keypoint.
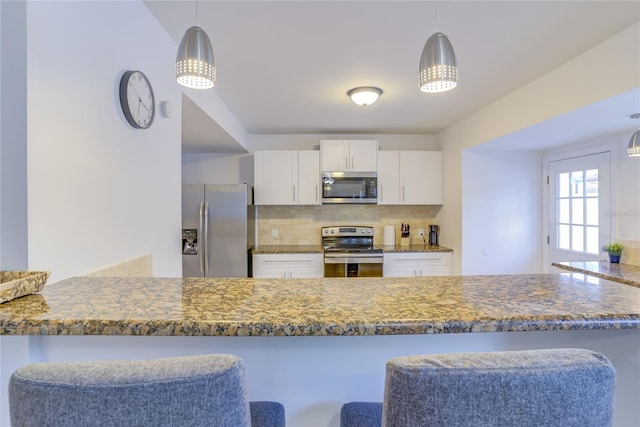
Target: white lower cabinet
[
  {"x": 271, "y": 266},
  {"x": 416, "y": 264}
]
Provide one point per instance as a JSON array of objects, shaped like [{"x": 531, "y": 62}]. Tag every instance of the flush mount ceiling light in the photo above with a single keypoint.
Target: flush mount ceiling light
[
  {"x": 438, "y": 71},
  {"x": 364, "y": 95},
  {"x": 633, "y": 149},
  {"x": 195, "y": 65}
]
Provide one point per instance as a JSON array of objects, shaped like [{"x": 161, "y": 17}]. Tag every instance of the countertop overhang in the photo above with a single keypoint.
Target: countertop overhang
[{"x": 321, "y": 307}]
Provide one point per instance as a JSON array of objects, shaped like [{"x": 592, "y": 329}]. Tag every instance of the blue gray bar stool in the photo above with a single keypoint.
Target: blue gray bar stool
[
  {"x": 207, "y": 390},
  {"x": 561, "y": 387}
]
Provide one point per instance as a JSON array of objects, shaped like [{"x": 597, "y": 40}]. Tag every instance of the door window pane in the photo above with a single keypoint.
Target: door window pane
[
  {"x": 577, "y": 238},
  {"x": 592, "y": 211},
  {"x": 563, "y": 211},
  {"x": 564, "y": 237},
  {"x": 577, "y": 184},
  {"x": 592, "y": 183},
  {"x": 577, "y": 211},
  {"x": 563, "y": 185}
]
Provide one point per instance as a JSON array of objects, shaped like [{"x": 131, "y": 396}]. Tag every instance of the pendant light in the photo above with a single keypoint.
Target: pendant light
[
  {"x": 364, "y": 95},
  {"x": 438, "y": 71},
  {"x": 195, "y": 65},
  {"x": 633, "y": 150}
]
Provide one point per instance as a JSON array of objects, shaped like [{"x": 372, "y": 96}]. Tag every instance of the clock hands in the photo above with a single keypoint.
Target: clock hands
[{"x": 140, "y": 101}]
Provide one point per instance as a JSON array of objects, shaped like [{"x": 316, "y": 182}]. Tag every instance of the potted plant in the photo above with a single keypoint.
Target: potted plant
[{"x": 614, "y": 250}]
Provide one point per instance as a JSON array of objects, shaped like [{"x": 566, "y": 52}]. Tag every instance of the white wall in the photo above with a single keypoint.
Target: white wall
[
  {"x": 208, "y": 168},
  {"x": 575, "y": 84},
  {"x": 501, "y": 202},
  {"x": 13, "y": 134},
  {"x": 99, "y": 191}
]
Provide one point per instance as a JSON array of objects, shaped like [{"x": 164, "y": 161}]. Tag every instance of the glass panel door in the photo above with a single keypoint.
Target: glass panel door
[{"x": 579, "y": 207}]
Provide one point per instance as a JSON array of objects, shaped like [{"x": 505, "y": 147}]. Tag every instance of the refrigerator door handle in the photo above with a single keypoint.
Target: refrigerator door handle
[
  {"x": 205, "y": 222},
  {"x": 201, "y": 236}
]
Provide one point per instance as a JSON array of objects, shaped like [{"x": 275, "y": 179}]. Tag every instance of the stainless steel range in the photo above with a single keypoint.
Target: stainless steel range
[{"x": 349, "y": 252}]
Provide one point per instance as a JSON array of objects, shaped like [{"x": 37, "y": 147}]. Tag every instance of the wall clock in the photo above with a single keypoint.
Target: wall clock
[{"x": 137, "y": 100}]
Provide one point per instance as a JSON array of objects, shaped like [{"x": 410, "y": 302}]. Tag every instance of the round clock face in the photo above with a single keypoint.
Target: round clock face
[{"x": 136, "y": 99}]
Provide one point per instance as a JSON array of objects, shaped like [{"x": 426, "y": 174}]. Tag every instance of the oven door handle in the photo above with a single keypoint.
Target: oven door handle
[{"x": 353, "y": 260}]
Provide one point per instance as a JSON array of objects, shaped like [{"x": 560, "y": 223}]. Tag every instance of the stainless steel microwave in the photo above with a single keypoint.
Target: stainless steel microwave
[{"x": 349, "y": 187}]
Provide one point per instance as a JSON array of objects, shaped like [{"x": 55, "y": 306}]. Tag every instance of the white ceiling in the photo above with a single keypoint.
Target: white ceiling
[{"x": 285, "y": 66}]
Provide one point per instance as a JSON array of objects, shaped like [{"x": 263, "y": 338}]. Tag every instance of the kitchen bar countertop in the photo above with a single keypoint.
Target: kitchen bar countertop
[
  {"x": 416, "y": 247},
  {"x": 288, "y": 249},
  {"x": 321, "y": 307},
  {"x": 622, "y": 273},
  {"x": 309, "y": 249}
]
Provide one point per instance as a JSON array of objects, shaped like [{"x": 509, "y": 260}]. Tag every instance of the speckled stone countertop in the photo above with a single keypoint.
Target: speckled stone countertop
[
  {"x": 414, "y": 248},
  {"x": 288, "y": 249},
  {"x": 329, "y": 306},
  {"x": 622, "y": 273},
  {"x": 308, "y": 249}
]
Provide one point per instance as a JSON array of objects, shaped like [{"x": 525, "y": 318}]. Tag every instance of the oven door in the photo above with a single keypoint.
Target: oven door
[{"x": 336, "y": 265}]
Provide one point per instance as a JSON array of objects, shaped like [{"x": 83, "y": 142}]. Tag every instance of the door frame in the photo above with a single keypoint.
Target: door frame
[{"x": 565, "y": 154}]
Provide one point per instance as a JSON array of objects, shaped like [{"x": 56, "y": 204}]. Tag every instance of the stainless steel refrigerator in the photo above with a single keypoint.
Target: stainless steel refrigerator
[{"x": 217, "y": 230}]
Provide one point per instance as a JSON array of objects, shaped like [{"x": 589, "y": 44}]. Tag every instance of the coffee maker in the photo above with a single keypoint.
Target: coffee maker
[{"x": 434, "y": 230}]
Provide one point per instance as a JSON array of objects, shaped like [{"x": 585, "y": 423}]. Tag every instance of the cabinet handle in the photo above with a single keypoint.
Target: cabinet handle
[
  {"x": 346, "y": 163},
  {"x": 420, "y": 272},
  {"x": 403, "y": 193},
  {"x": 352, "y": 162}
]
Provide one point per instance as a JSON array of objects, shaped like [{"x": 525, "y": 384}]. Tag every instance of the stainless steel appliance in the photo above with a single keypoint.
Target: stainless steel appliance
[
  {"x": 217, "y": 230},
  {"x": 349, "y": 187},
  {"x": 434, "y": 230},
  {"x": 349, "y": 252}
]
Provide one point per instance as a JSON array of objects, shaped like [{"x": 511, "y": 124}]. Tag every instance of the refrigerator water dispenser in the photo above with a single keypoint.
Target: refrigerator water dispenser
[{"x": 189, "y": 241}]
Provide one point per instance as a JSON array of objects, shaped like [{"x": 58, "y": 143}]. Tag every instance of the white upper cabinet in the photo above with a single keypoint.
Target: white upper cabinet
[
  {"x": 287, "y": 177},
  {"x": 309, "y": 177},
  {"x": 343, "y": 155},
  {"x": 388, "y": 177},
  {"x": 409, "y": 178}
]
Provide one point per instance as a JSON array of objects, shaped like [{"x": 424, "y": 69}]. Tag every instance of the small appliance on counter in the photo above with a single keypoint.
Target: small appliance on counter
[{"x": 434, "y": 230}]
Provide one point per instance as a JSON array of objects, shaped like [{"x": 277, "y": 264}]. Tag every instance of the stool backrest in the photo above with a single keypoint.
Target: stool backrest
[
  {"x": 561, "y": 387},
  {"x": 207, "y": 390}
]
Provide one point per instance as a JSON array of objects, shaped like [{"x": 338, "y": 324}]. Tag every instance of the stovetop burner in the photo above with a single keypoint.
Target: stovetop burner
[{"x": 348, "y": 240}]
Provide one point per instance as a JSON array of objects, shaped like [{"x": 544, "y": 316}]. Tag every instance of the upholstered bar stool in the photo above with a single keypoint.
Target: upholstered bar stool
[
  {"x": 207, "y": 390},
  {"x": 562, "y": 387}
]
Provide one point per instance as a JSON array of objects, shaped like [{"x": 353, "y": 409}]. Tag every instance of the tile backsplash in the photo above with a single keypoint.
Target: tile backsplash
[{"x": 301, "y": 225}]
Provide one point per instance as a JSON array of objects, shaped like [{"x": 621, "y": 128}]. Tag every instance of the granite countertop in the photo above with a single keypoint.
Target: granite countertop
[
  {"x": 309, "y": 249},
  {"x": 414, "y": 248},
  {"x": 288, "y": 249},
  {"x": 621, "y": 273},
  {"x": 316, "y": 307}
]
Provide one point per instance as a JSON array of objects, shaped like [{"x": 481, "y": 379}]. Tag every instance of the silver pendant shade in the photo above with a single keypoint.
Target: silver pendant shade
[
  {"x": 438, "y": 70},
  {"x": 633, "y": 149},
  {"x": 195, "y": 65}
]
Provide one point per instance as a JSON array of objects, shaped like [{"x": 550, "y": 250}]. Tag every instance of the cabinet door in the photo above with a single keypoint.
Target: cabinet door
[
  {"x": 363, "y": 155},
  {"x": 388, "y": 178},
  {"x": 421, "y": 177},
  {"x": 307, "y": 266},
  {"x": 276, "y": 177},
  {"x": 335, "y": 155},
  {"x": 412, "y": 264},
  {"x": 288, "y": 265},
  {"x": 309, "y": 177}
]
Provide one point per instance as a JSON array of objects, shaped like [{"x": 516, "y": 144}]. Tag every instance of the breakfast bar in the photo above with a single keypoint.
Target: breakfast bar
[{"x": 314, "y": 344}]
